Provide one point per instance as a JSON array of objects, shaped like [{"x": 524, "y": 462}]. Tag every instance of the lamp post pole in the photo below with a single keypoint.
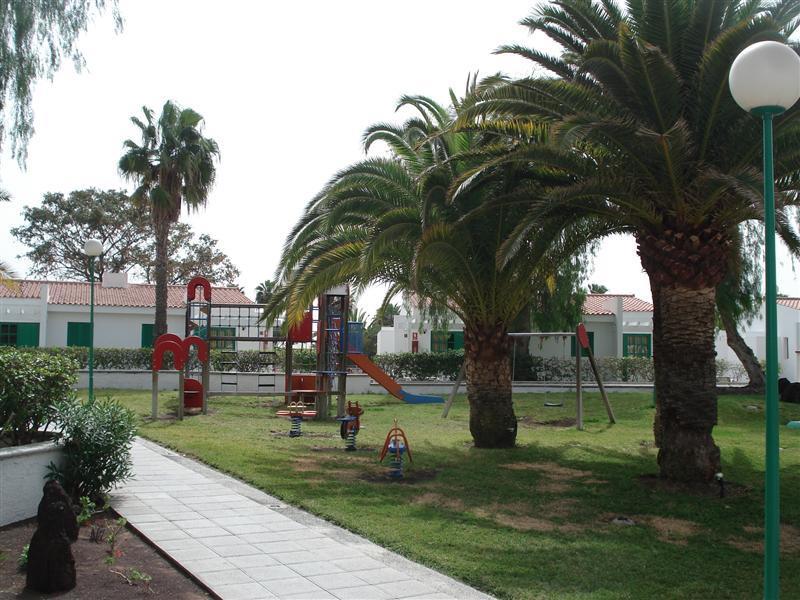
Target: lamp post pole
[
  {"x": 772, "y": 487},
  {"x": 91, "y": 328},
  {"x": 765, "y": 80},
  {"x": 92, "y": 249}
]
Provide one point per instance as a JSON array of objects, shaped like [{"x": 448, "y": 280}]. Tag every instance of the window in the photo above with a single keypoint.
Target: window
[
  {"x": 585, "y": 352},
  {"x": 636, "y": 344},
  {"x": 218, "y": 332},
  {"x": 148, "y": 331},
  {"x": 79, "y": 334},
  {"x": 21, "y": 335},
  {"x": 446, "y": 340}
]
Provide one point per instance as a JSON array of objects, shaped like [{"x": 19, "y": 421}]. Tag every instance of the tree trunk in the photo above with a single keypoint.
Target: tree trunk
[
  {"x": 492, "y": 421},
  {"x": 685, "y": 373},
  {"x": 745, "y": 355},
  {"x": 161, "y": 228}
]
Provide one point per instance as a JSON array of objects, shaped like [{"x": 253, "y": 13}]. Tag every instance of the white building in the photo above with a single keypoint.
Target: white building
[
  {"x": 755, "y": 336},
  {"x": 617, "y": 324},
  {"x": 56, "y": 313}
]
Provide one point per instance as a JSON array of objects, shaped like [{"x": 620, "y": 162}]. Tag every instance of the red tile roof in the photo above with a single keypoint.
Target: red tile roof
[
  {"x": 790, "y": 302},
  {"x": 605, "y": 304},
  {"x": 139, "y": 295}
]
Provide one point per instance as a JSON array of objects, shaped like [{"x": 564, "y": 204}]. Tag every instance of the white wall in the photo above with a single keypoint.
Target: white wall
[
  {"x": 114, "y": 327},
  {"x": 754, "y": 336}
]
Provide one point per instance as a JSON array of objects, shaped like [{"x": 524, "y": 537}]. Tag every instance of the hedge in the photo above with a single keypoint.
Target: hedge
[
  {"x": 440, "y": 366},
  {"x": 128, "y": 359}
]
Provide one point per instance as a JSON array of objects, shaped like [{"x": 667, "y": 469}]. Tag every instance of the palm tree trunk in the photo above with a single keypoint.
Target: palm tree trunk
[
  {"x": 745, "y": 355},
  {"x": 492, "y": 421},
  {"x": 161, "y": 227},
  {"x": 685, "y": 373}
]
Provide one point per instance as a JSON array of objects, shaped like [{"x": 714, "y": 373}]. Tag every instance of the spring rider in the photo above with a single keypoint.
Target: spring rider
[
  {"x": 351, "y": 423},
  {"x": 396, "y": 445},
  {"x": 296, "y": 411}
]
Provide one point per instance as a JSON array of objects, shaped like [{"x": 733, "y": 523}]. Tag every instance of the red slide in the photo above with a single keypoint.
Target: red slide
[{"x": 389, "y": 384}]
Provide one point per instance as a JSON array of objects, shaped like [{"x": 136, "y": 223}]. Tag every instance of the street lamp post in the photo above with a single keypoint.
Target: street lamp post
[
  {"x": 92, "y": 249},
  {"x": 765, "y": 80}
]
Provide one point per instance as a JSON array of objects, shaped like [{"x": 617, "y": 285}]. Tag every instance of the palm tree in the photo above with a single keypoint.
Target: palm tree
[
  {"x": 174, "y": 165},
  {"x": 264, "y": 291},
  {"x": 391, "y": 220},
  {"x": 7, "y": 275},
  {"x": 640, "y": 114}
]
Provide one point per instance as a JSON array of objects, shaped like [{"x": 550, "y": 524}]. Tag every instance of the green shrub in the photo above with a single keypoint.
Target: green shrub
[
  {"x": 423, "y": 365},
  {"x": 30, "y": 383},
  {"x": 97, "y": 439}
]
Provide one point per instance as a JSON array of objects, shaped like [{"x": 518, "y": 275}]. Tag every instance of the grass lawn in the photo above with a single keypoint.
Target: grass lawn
[{"x": 532, "y": 522}]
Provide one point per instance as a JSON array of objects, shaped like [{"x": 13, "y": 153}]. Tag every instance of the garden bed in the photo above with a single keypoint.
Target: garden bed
[{"x": 138, "y": 570}]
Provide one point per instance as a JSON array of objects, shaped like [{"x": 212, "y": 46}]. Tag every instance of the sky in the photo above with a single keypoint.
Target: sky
[{"x": 286, "y": 89}]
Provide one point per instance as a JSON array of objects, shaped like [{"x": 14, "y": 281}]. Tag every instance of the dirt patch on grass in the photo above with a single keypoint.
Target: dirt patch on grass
[
  {"x": 709, "y": 490},
  {"x": 341, "y": 448},
  {"x": 531, "y": 422},
  {"x": 306, "y": 434},
  {"x": 434, "y": 499},
  {"x": 553, "y": 487},
  {"x": 97, "y": 580},
  {"x": 549, "y": 469},
  {"x": 561, "y": 508},
  {"x": 790, "y": 540},
  {"x": 305, "y": 465},
  {"x": 410, "y": 476},
  {"x": 515, "y": 517},
  {"x": 669, "y": 529}
]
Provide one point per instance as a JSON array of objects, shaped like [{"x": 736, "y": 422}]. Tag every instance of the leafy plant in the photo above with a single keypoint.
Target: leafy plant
[
  {"x": 112, "y": 537},
  {"x": 22, "y": 561},
  {"x": 87, "y": 510},
  {"x": 30, "y": 383},
  {"x": 97, "y": 533},
  {"x": 97, "y": 441}
]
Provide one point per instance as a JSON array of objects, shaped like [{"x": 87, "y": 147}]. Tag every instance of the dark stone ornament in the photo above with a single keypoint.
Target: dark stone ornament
[
  {"x": 789, "y": 392},
  {"x": 51, "y": 566}
]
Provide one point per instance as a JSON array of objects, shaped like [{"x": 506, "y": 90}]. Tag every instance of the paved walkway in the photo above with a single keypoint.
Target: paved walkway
[{"x": 244, "y": 544}]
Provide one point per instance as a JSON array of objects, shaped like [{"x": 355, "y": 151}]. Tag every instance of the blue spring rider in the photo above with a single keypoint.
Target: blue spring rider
[{"x": 396, "y": 445}]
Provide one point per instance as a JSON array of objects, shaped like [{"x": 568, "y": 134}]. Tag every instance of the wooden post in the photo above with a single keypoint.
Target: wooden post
[
  {"x": 154, "y": 407},
  {"x": 344, "y": 344},
  {"x": 454, "y": 391},
  {"x": 578, "y": 390},
  {"x": 324, "y": 381},
  {"x": 603, "y": 395}
]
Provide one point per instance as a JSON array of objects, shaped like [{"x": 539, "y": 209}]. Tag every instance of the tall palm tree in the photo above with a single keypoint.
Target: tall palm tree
[
  {"x": 640, "y": 113},
  {"x": 173, "y": 165},
  {"x": 264, "y": 291},
  {"x": 391, "y": 220}
]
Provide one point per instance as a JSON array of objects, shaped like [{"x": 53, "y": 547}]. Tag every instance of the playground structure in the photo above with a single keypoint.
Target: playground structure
[
  {"x": 582, "y": 342},
  {"x": 224, "y": 327}
]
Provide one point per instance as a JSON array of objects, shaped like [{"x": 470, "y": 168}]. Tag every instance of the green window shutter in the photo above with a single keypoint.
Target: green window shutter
[
  {"x": 8, "y": 334},
  {"x": 438, "y": 341},
  {"x": 28, "y": 335},
  {"x": 637, "y": 344},
  {"x": 458, "y": 339},
  {"x": 78, "y": 334},
  {"x": 573, "y": 341},
  {"x": 148, "y": 330}
]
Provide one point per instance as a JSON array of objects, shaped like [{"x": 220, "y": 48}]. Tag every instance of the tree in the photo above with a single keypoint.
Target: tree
[
  {"x": 739, "y": 298},
  {"x": 56, "y": 230},
  {"x": 597, "y": 288},
  {"x": 641, "y": 116},
  {"x": 174, "y": 165},
  {"x": 264, "y": 291},
  {"x": 37, "y": 35},
  {"x": 400, "y": 221},
  {"x": 188, "y": 257}
]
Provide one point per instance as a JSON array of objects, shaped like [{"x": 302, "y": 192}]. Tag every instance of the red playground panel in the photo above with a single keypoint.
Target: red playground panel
[
  {"x": 192, "y": 395},
  {"x": 302, "y": 331}
]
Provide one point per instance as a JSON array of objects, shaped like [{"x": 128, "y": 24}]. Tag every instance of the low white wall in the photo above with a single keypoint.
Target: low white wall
[{"x": 22, "y": 471}]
